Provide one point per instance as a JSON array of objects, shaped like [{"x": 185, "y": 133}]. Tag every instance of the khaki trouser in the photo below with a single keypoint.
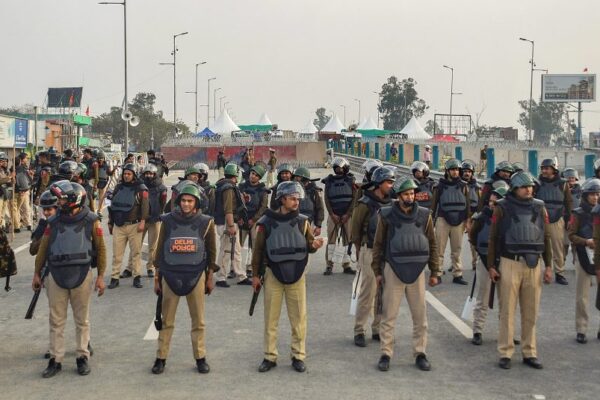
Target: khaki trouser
[
  {"x": 244, "y": 235},
  {"x": 582, "y": 297},
  {"x": 366, "y": 296},
  {"x": 333, "y": 231},
  {"x": 557, "y": 232},
  {"x": 393, "y": 292},
  {"x": 195, "y": 301},
  {"x": 58, "y": 301},
  {"x": 483, "y": 296},
  {"x": 21, "y": 209},
  {"x": 522, "y": 285},
  {"x": 295, "y": 302},
  {"x": 152, "y": 229},
  {"x": 271, "y": 178},
  {"x": 121, "y": 236},
  {"x": 4, "y": 210},
  {"x": 443, "y": 230},
  {"x": 224, "y": 258},
  {"x": 221, "y": 173}
]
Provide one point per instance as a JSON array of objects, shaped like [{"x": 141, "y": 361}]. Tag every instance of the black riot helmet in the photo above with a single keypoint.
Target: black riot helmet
[
  {"x": 67, "y": 169},
  {"x": 383, "y": 174}
]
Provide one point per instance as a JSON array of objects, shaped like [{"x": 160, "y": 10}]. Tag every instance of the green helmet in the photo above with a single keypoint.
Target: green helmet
[
  {"x": 505, "y": 166},
  {"x": 500, "y": 184},
  {"x": 285, "y": 168},
  {"x": 231, "y": 169},
  {"x": 452, "y": 163},
  {"x": 258, "y": 170},
  {"x": 549, "y": 162},
  {"x": 521, "y": 179},
  {"x": 192, "y": 170},
  {"x": 500, "y": 192},
  {"x": 302, "y": 172},
  {"x": 518, "y": 167},
  {"x": 403, "y": 184},
  {"x": 192, "y": 190}
]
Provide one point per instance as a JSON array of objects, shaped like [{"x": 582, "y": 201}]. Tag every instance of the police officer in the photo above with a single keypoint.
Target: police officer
[
  {"x": 185, "y": 262},
  {"x": 105, "y": 171},
  {"x": 340, "y": 197},
  {"x": 157, "y": 199},
  {"x": 21, "y": 204},
  {"x": 229, "y": 209},
  {"x": 581, "y": 230},
  {"x": 284, "y": 174},
  {"x": 6, "y": 180},
  {"x": 272, "y": 164},
  {"x": 451, "y": 208},
  {"x": 208, "y": 188},
  {"x": 425, "y": 184},
  {"x": 572, "y": 177},
  {"x": 49, "y": 205},
  {"x": 41, "y": 177},
  {"x": 479, "y": 235},
  {"x": 221, "y": 163},
  {"x": 368, "y": 167},
  {"x": 191, "y": 175},
  {"x": 80, "y": 177},
  {"x": 256, "y": 198},
  {"x": 72, "y": 242},
  {"x": 127, "y": 216},
  {"x": 283, "y": 242},
  {"x": 312, "y": 203},
  {"x": 159, "y": 162},
  {"x": 404, "y": 243},
  {"x": 557, "y": 198},
  {"x": 467, "y": 173},
  {"x": 364, "y": 223},
  {"x": 65, "y": 172},
  {"x": 519, "y": 235},
  {"x": 518, "y": 167},
  {"x": 504, "y": 170}
]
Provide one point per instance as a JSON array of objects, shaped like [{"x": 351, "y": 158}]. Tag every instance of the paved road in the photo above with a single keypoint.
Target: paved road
[{"x": 336, "y": 368}]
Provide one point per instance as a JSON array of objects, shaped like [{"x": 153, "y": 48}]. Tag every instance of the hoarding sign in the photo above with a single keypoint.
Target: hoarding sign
[
  {"x": 568, "y": 88},
  {"x": 21, "y": 126}
]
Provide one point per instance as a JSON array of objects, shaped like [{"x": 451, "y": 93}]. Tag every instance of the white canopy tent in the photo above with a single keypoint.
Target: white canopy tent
[
  {"x": 224, "y": 124},
  {"x": 264, "y": 120},
  {"x": 309, "y": 128},
  {"x": 367, "y": 124},
  {"x": 414, "y": 130},
  {"x": 334, "y": 125}
]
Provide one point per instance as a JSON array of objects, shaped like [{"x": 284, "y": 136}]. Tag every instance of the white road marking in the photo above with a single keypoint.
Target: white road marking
[
  {"x": 449, "y": 315},
  {"x": 151, "y": 333},
  {"x": 22, "y": 247}
]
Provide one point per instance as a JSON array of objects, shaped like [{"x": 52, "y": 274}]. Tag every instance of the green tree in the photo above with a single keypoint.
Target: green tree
[
  {"x": 140, "y": 136},
  {"x": 546, "y": 120},
  {"x": 399, "y": 102},
  {"x": 321, "y": 119},
  {"x": 433, "y": 127}
]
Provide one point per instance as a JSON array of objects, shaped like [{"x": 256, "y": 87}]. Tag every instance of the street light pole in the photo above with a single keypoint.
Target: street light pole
[
  {"x": 344, "y": 107},
  {"x": 451, "y": 94},
  {"x": 215, "y": 103},
  {"x": 126, "y": 100},
  {"x": 530, "y": 87},
  {"x": 358, "y": 110},
  {"x": 208, "y": 104},
  {"x": 195, "y": 92},
  {"x": 175, "y": 80}
]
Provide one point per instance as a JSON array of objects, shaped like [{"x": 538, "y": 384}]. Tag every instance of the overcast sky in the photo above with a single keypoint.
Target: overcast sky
[{"x": 287, "y": 58}]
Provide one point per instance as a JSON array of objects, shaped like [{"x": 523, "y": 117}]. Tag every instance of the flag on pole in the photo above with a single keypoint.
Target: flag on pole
[
  {"x": 71, "y": 100},
  {"x": 585, "y": 69},
  {"x": 87, "y": 111}
]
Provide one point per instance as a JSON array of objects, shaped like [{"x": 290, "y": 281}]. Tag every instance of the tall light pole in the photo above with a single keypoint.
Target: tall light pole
[
  {"x": 452, "y": 93},
  {"x": 215, "y": 103},
  {"x": 344, "y": 107},
  {"x": 358, "y": 111},
  {"x": 195, "y": 92},
  {"x": 174, "y": 64},
  {"x": 125, "y": 99},
  {"x": 529, "y": 133},
  {"x": 221, "y": 103},
  {"x": 208, "y": 104}
]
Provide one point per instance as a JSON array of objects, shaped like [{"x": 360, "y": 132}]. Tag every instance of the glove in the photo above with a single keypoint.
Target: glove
[{"x": 100, "y": 216}]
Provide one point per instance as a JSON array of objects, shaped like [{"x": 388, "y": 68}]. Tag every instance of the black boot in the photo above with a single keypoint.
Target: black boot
[
  {"x": 477, "y": 340},
  {"x": 150, "y": 273},
  {"x": 52, "y": 369},
  {"x": 82, "y": 366},
  {"x": 504, "y": 363},
  {"x": 359, "y": 340},
  {"x": 298, "y": 365},
  {"x": 561, "y": 280},
  {"x": 459, "y": 280},
  {"x": 202, "y": 366},
  {"x": 159, "y": 366},
  {"x": 384, "y": 363},
  {"x": 581, "y": 338},
  {"x": 328, "y": 270},
  {"x": 422, "y": 363},
  {"x": 266, "y": 365},
  {"x": 137, "y": 282},
  {"x": 125, "y": 274},
  {"x": 113, "y": 283}
]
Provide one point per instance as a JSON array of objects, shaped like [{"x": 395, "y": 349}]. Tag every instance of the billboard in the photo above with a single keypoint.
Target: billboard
[
  {"x": 21, "y": 128},
  {"x": 65, "y": 97},
  {"x": 568, "y": 88},
  {"x": 7, "y": 132}
]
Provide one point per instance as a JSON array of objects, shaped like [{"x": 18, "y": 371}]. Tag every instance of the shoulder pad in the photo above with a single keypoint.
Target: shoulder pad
[
  {"x": 386, "y": 211},
  {"x": 142, "y": 187},
  {"x": 538, "y": 202}
]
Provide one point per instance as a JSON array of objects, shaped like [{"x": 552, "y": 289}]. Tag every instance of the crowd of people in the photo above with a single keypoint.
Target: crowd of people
[{"x": 397, "y": 225}]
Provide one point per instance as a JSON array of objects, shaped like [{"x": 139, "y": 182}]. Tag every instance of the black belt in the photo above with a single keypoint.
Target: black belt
[
  {"x": 131, "y": 222},
  {"x": 514, "y": 257}
]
